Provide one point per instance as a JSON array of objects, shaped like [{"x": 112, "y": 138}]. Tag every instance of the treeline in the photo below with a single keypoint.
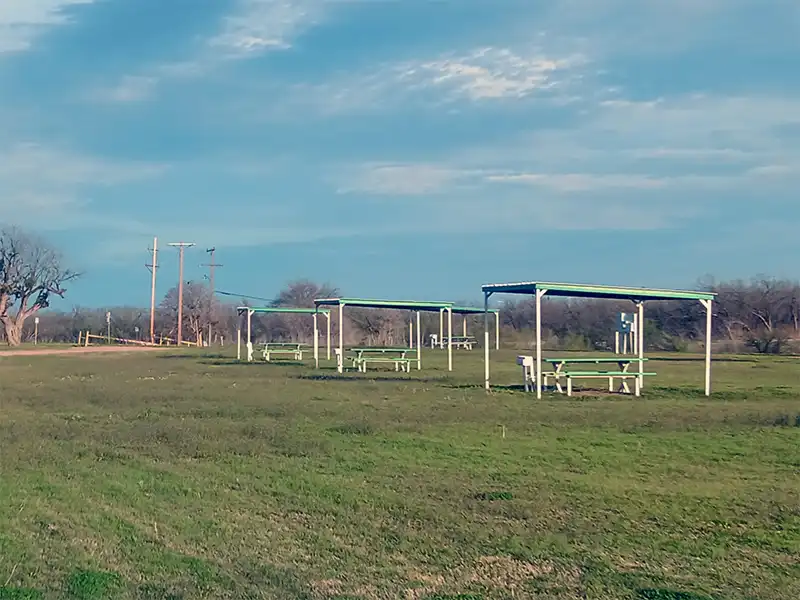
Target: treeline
[{"x": 761, "y": 315}]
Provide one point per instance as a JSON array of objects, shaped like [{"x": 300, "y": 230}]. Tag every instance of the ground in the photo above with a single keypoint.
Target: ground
[{"x": 169, "y": 474}]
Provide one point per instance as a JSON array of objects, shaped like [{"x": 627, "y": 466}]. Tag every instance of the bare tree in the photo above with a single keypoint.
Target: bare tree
[
  {"x": 30, "y": 273},
  {"x": 196, "y": 309}
]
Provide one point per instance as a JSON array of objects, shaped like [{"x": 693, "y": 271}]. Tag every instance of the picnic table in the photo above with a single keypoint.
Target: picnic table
[
  {"x": 291, "y": 349},
  {"x": 570, "y": 368},
  {"x": 401, "y": 358},
  {"x": 461, "y": 341}
]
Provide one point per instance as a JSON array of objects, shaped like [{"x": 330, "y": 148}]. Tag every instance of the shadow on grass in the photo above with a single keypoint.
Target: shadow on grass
[
  {"x": 365, "y": 378},
  {"x": 666, "y": 594}
]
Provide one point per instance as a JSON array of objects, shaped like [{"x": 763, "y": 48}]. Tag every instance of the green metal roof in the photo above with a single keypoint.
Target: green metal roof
[
  {"x": 389, "y": 304},
  {"x": 471, "y": 310},
  {"x": 573, "y": 290},
  {"x": 280, "y": 309}
]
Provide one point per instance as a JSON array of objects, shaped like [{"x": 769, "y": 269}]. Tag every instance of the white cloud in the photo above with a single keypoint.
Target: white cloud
[
  {"x": 50, "y": 186},
  {"x": 21, "y": 21},
  {"x": 262, "y": 25},
  {"x": 702, "y": 145},
  {"x": 253, "y": 28},
  {"x": 582, "y": 182},
  {"x": 401, "y": 179},
  {"x": 489, "y": 73},
  {"x": 131, "y": 88}
]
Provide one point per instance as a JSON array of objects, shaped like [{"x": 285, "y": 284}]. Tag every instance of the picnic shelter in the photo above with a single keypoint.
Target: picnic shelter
[
  {"x": 407, "y": 305},
  {"x": 251, "y": 310},
  {"x": 569, "y": 290}
]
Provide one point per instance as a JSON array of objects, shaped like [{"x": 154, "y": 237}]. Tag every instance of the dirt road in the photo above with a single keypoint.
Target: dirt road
[{"x": 82, "y": 350}]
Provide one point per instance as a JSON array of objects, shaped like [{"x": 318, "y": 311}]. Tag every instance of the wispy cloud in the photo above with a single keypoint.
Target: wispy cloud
[
  {"x": 131, "y": 88},
  {"x": 401, "y": 179},
  {"x": 51, "y": 186},
  {"x": 693, "y": 143},
  {"x": 480, "y": 75},
  {"x": 489, "y": 73},
  {"x": 253, "y": 28},
  {"x": 262, "y": 25},
  {"x": 21, "y": 21}
]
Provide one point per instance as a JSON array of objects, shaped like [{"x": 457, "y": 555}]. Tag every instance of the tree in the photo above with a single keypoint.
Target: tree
[
  {"x": 31, "y": 272},
  {"x": 197, "y": 303}
]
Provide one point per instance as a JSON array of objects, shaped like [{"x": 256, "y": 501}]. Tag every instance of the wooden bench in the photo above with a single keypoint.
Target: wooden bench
[
  {"x": 610, "y": 375},
  {"x": 460, "y": 341},
  {"x": 294, "y": 351},
  {"x": 360, "y": 358}
]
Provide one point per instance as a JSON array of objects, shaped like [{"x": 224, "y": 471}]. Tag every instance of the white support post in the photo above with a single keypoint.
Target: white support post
[
  {"x": 640, "y": 341},
  {"x": 441, "y": 328},
  {"x": 486, "y": 340},
  {"x": 239, "y": 339},
  {"x": 411, "y": 333},
  {"x": 707, "y": 304},
  {"x": 328, "y": 315},
  {"x": 539, "y": 294},
  {"x": 449, "y": 339},
  {"x": 341, "y": 338},
  {"x": 316, "y": 342},
  {"x": 616, "y": 342},
  {"x": 249, "y": 336},
  {"x": 464, "y": 324},
  {"x": 496, "y": 331},
  {"x": 419, "y": 342}
]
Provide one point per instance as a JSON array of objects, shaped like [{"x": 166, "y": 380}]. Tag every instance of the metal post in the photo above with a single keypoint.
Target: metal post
[
  {"x": 449, "y": 339},
  {"x": 328, "y": 316},
  {"x": 441, "y": 328},
  {"x": 35, "y": 331},
  {"x": 497, "y": 330},
  {"x": 640, "y": 341},
  {"x": 239, "y": 338},
  {"x": 539, "y": 294},
  {"x": 249, "y": 335},
  {"x": 465, "y": 325},
  {"x": 341, "y": 338},
  {"x": 486, "y": 340},
  {"x": 708, "y": 306},
  {"x": 411, "y": 333},
  {"x": 316, "y": 342},
  {"x": 419, "y": 343}
]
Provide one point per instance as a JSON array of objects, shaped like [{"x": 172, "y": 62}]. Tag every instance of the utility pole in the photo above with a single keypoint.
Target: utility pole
[
  {"x": 181, "y": 247},
  {"x": 153, "y": 268},
  {"x": 211, "y": 266}
]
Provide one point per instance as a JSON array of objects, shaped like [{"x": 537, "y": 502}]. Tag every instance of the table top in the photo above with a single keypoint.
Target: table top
[{"x": 599, "y": 359}]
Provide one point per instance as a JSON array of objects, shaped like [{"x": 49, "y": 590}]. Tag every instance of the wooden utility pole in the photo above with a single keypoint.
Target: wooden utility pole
[
  {"x": 211, "y": 266},
  {"x": 181, "y": 247},
  {"x": 153, "y": 268}
]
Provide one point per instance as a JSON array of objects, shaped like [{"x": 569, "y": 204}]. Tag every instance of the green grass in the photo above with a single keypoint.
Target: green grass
[{"x": 189, "y": 476}]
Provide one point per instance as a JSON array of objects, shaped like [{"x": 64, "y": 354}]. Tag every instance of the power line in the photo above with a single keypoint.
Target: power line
[{"x": 244, "y": 297}]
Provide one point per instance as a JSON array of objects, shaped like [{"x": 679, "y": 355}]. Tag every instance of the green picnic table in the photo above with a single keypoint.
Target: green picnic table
[
  {"x": 561, "y": 369},
  {"x": 292, "y": 349},
  {"x": 399, "y": 357}
]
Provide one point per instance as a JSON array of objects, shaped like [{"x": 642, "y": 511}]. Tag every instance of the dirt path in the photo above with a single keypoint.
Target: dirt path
[{"x": 82, "y": 350}]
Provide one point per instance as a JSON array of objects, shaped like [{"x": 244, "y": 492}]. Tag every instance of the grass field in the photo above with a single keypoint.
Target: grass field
[{"x": 167, "y": 476}]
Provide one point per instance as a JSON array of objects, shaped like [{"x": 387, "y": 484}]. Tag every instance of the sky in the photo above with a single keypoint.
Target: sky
[{"x": 410, "y": 149}]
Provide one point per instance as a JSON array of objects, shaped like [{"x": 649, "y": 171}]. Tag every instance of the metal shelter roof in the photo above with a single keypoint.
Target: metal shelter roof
[
  {"x": 574, "y": 290},
  {"x": 471, "y": 310},
  {"x": 389, "y": 304},
  {"x": 280, "y": 309}
]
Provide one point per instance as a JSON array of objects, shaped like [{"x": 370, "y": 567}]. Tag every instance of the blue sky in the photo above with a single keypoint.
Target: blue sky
[{"x": 412, "y": 148}]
